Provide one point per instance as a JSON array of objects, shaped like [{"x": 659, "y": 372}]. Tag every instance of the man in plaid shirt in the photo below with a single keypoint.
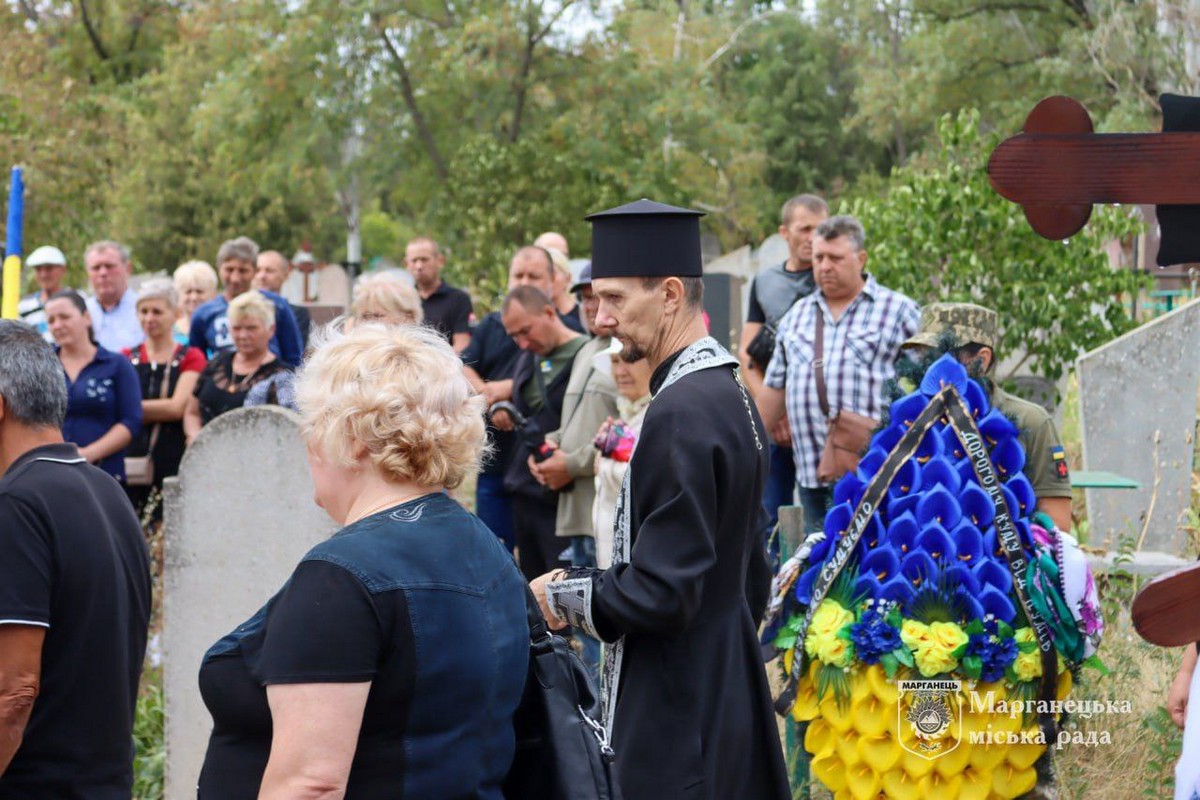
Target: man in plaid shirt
[{"x": 865, "y": 325}]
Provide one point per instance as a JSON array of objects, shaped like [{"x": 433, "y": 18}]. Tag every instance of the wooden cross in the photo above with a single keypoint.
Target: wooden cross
[{"x": 1059, "y": 167}]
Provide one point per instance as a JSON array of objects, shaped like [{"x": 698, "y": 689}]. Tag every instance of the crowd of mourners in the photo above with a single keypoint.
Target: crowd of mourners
[{"x": 391, "y": 662}]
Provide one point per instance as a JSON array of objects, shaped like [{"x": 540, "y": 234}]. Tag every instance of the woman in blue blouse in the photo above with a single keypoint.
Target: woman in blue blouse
[{"x": 104, "y": 396}]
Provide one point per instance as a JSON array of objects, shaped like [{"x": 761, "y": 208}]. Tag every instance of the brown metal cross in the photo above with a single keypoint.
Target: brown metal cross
[{"x": 1059, "y": 167}]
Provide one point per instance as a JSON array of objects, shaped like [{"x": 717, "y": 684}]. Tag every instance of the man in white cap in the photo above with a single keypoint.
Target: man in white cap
[{"x": 50, "y": 267}]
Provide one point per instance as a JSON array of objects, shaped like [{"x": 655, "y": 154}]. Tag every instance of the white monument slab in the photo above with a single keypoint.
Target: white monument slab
[
  {"x": 1137, "y": 399},
  {"x": 238, "y": 519}
]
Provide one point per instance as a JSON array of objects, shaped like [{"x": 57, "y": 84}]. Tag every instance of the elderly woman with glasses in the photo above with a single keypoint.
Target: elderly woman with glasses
[{"x": 392, "y": 661}]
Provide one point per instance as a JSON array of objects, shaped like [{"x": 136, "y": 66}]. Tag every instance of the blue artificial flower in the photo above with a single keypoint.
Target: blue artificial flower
[
  {"x": 938, "y": 505},
  {"x": 952, "y": 447},
  {"x": 991, "y": 544},
  {"x": 867, "y": 586},
  {"x": 897, "y": 590},
  {"x": 902, "y": 532},
  {"x": 805, "y": 583},
  {"x": 935, "y": 540},
  {"x": 997, "y": 604},
  {"x": 1009, "y": 458},
  {"x": 996, "y": 427},
  {"x": 966, "y": 472},
  {"x": 968, "y": 543},
  {"x": 994, "y": 653},
  {"x": 977, "y": 400},
  {"x": 907, "y": 480},
  {"x": 941, "y": 472},
  {"x": 946, "y": 370},
  {"x": 918, "y": 568},
  {"x": 848, "y": 490},
  {"x": 882, "y": 563},
  {"x": 887, "y": 438},
  {"x": 994, "y": 573},
  {"x": 838, "y": 519},
  {"x": 899, "y": 506},
  {"x": 961, "y": 575},
  {"x": 870, "y": 464},
  {"x": 1022, "y": 491},
  {"x": 976, "y": 505},
  {"x": 873, "y": 637},
  {"x": 904, "y": 412},
  {"x": 874, "y": 534},
  {"x": 967, "y": 604},
  {"x": 930, "y": 446}
]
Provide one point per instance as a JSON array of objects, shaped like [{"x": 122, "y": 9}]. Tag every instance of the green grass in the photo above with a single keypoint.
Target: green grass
[{"x": 150, "y": 750}]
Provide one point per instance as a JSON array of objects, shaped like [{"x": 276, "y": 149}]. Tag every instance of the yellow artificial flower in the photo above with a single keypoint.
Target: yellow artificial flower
[
  {"x": 934, "y": 661},
  {"x": 948, "y": 636},
  {"x": 835, "y": 651},
  {"x": 914, "y": 633},
  {"x": 933, "y": 645},
  {"x": 830, "y": 618},
  {"x": 1028, "y": 666}
]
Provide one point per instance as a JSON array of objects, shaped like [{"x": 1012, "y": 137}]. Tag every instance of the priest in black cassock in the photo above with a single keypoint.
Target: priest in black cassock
[{"x": 686, "y": 696}]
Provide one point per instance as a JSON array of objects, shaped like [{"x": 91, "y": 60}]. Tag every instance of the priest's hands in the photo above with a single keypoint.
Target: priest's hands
[{"x": 538, "y": 587}]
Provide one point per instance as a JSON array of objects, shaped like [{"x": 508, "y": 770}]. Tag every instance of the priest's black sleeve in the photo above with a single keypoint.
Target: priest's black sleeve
[
  {"x": 758, "y": 572},
  {"x": 674, "y": 498}
]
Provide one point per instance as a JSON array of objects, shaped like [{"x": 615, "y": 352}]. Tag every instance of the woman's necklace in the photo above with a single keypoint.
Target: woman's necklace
[{"x": 239, "y": 384}]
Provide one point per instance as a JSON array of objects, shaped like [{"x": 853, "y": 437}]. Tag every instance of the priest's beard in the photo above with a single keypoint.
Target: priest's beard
[{"x": 632, "y": 352}]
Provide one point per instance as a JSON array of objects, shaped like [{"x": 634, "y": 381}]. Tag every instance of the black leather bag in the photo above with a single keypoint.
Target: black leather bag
[
  {"x": 562, "y": 749},
  {"x": 762, "y": 346}
]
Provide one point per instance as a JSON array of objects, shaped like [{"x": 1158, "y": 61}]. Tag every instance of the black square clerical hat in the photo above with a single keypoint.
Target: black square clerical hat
[{"x": 646, "y": 240}]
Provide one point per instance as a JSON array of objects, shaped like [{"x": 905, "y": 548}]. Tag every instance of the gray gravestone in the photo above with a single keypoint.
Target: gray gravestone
[
  {"x": 1137, "y": 398},
  {"x": 238, "y": 519}
]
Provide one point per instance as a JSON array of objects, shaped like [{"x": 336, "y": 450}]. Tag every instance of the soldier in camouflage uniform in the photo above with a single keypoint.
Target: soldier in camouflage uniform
[{"x": 975, "y": 328}]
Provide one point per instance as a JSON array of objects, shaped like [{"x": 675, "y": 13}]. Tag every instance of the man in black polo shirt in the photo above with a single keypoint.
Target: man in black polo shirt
[
  {"x": 448, "y": 310},
  {"x": 74, "y": 596}
]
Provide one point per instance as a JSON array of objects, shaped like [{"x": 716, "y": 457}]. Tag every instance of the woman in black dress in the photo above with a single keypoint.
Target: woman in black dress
[
  {"x": 167, "y": 372},
  {"x": 230, "y": 375},
  {"x": 392, "y": 661}
]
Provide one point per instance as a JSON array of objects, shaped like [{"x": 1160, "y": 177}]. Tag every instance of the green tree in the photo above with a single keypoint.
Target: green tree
[
  {"x": 918, "y": 59},
  {"x": 797, "y": 81},
  {"x": 939, "y": 232}
]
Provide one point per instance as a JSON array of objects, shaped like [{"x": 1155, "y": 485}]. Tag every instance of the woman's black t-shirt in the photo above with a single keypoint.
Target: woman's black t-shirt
[
  {"x": 324, "y": 628},
  {"x": 423, "y": 602},
  {"x": 220, "y": 389}
]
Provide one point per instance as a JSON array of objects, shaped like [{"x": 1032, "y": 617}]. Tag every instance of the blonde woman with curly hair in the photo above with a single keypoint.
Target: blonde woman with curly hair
[{"x": 392, "y": 661}]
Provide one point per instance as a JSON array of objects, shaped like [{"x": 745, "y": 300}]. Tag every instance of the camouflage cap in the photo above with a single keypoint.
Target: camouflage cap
[{"x": 970, "y": 323}]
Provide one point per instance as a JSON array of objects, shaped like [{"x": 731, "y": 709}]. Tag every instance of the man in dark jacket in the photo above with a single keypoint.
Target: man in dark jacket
[
  {"x": 74, "y": 595},
  {"x": 686, "y": 695},
  {"x": 548, "y": 350}
]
